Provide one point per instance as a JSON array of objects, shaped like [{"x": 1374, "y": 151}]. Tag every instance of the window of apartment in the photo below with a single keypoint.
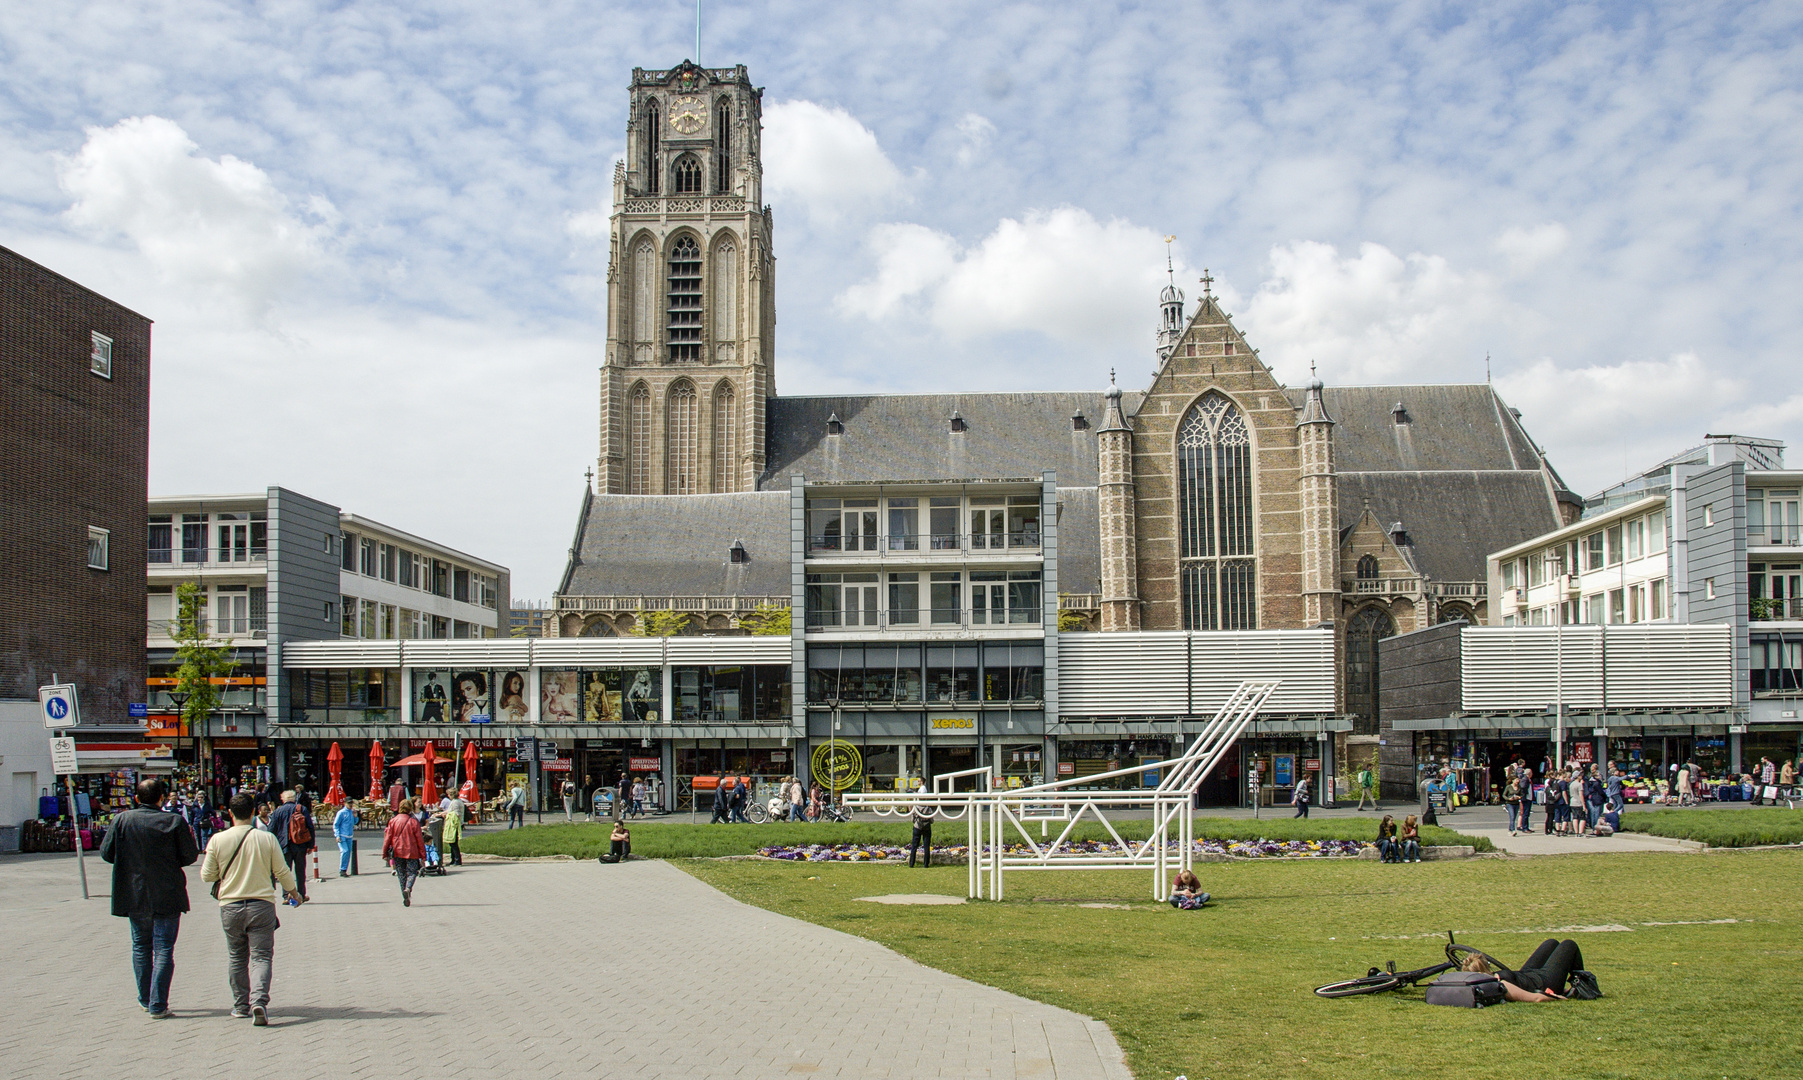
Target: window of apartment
[
  {"x": 1023, "y": 521},
  {"x": 441, "y": 578},
  {"x": 410, "y": 576},
  {"x": 1568, "y": 613},
  {"x": 1656, "y": 599},
  {"x": 483, "y": 591},
  {"x": 194, "y": 538},
  {"x": 944, "y": 589},
  {"x": 904, "y": 524},
  {"x": 366, "y": 557},
  {"x": 158, "y": 542},
  {"x": 1708, "y": 514},
  {"x": 1655, "y": 532},
  {"x": 231, "y": 609},
  {"x": 1637, "y": 603},
  {"x": 388, "y": 562},
  {"x": 460, "y": 585},
  {"x": 1537, "y": 617},
  {"x": 1537, "y": 570},
  {"x": 328, "y": 543},
  {"x": 368, "y": 625},
  {"x": 1593, "y": 551},
  {"x": 1508, "y": 620},
  {"x": 259, "y": 609},
  {"x": 1594, "y": 610},
  {"x": 1709, "y": 588},
  {"x": 348, "y": 552},
  {"x": 904, "y": 599},
  {"x": 1636, "y": 538},
  {"x": 347, "y": 620},
  {"x": 942, "y": 522},
  {"x": 988, "y": 523},
  {"x": 326, "y": 608},
  {"x": 98, "y": 539},
  {"x": 1615, "y": 544},
  {"x": 842, "y": 599},
  {"x": 1023, "y": 596},
  {"x": 100, "y": 359},
  {"x": 231, "y": 533},
  {"x": 159, "y": 609},
  {"x": 387, "y": 622},
  {"x": 1618, "y": 605},
  {"x": 1508, "y": 572}
]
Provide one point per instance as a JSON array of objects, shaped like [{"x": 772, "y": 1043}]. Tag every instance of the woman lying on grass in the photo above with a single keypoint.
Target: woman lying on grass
[{"x": 1542, "y": 978}]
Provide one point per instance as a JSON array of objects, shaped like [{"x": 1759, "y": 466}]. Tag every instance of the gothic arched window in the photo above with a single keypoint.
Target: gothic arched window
[
  {"x": 681, "y": 413},
  {"x": 651, "y": 169},
  {"x": 1367, "y": 568},
  {"x": 1364, "y": 630},
  {"x": 684, "y": 301},
  {"x": 725, "y": 303},
  {"x": 638, "y": 433},
  {"x": 723, "y": 147},
  {"x": 688, "y": 176},
  {"x": 726, "y": 438},
  {"x": 1218, "y": 571}
]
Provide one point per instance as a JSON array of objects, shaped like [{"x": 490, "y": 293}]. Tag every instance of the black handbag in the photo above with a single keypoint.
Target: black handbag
[{"x": 1583, "y": 987}]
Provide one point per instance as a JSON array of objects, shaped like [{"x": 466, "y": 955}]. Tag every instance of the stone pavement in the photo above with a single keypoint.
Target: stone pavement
[{"x": 509, "y": 969}]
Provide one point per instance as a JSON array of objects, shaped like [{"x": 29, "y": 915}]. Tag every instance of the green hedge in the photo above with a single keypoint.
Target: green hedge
[
  {"x": 681, "y": 840},
  {"x": 1751, "y": 827}
]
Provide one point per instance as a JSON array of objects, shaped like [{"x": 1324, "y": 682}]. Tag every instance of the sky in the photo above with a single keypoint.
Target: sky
[{"x": 373, "y": 236}]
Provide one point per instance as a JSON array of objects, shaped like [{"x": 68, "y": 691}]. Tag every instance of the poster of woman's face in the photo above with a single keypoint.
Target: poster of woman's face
[
  {"x": 510, "y": 697},
  {"x": 469, "y": 698},
  {"x": 622, "y": 695},
  {"x": 559, "y": 694}
]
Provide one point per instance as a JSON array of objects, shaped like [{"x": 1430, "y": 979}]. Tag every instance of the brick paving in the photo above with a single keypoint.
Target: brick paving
[{"x": 542, "y": 969}]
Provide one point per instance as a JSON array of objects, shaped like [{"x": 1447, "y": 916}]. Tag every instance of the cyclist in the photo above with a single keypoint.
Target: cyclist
[{"x": 1543, "y": 977}]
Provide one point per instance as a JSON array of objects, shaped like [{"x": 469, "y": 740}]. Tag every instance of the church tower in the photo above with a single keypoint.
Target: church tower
[
  {"x": 690, "y": 294},
  {"x": 1115, "y": 517}
]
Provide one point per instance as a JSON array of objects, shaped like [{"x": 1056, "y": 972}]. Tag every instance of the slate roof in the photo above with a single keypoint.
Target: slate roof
[
  {"x": 1079, "y": 541},
  {"x": 909, "y": 437},
  {"x": 1460, "y": 426},
  {"x": 680, "y": 545},
  {"x": 1456, "y": 517}
]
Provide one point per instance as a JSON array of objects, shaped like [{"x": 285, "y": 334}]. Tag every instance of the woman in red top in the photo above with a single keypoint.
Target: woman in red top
[{"x": 405, "y": 846}]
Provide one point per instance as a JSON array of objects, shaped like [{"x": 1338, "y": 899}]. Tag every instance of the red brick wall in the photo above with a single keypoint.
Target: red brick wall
[{"x": 74, "y": 452}]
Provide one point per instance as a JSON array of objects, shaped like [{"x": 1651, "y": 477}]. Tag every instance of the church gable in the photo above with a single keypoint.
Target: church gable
[{"x": 1211, "y": 357}]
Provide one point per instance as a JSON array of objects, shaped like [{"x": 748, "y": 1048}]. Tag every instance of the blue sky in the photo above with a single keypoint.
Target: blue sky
[{"x": 367, "y": 232}]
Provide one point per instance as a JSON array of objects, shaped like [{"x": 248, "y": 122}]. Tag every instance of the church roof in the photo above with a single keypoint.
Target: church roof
[
  {"x": 1079, "y": 541},
  {"x": 680, "y": 545},
  {"x": 911, "y": 437},
  {"x": 1459, "y": 426},
  {"x": 1455, "y": 518}
]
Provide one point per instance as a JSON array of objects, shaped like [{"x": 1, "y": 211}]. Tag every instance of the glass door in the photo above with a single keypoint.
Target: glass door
[
  {"x": 860, "y": 525},
  {"x": 988, "y": 526}
]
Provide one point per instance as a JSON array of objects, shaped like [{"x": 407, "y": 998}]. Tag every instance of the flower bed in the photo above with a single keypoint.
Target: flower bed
[{"x": 1233, "y": 849}]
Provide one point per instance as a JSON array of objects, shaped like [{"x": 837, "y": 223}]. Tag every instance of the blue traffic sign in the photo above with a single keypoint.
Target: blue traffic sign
[
  {"x": 137, "y": 710},
  {"x": 57, "y": 708}
]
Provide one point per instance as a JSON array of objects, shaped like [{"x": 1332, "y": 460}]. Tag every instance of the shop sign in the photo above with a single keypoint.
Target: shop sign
[
  {"x": 234, "y": 744},
  {"x": 1583, "y": 753},
  {"x": 779, "y": 755},
  {"x": 962, "y": 722},
  {"x": 1067, "y": 768},
  {"x": 137, "y": 710},
  {"x": 645, "y": 764},
  {"x": 1523, "y": 733},
  {"x": 166, "y": 730},
  {"x": 555, "y": 766},
  {"x": 1311, "y": 764}
]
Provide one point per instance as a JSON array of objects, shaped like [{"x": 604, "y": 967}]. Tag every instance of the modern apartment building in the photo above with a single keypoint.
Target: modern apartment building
[
  {"x": 74, "y": 453},
  {"x": 277, "y": 568}
]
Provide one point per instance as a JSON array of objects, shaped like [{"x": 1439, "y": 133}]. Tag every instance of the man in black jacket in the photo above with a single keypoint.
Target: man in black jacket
[
  {"x": 148, "y": 848},
  {"x": 295, "y": 855}
]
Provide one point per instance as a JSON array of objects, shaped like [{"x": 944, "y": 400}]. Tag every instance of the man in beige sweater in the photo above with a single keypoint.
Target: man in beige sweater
[{"x": 247, "y": 862}]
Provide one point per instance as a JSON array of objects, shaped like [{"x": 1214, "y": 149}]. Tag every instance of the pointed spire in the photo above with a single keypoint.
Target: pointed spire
[
  {"x": 1314, "y": 409},
  {"x": 1113, "y": 419},
  {"x": 1170, "y": 304}
]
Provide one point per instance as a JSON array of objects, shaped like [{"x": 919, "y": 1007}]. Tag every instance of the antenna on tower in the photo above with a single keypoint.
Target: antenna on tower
[
  {"x": 697, "y": 33},
  {"x": 1486, "y": 368},
  {"x": 1169, "y": 272}
]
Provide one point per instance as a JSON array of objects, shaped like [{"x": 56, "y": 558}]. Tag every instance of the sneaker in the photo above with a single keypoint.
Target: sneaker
[
  {"x": 259, "y": 1016},
  {"x": 240, "y": 1014},
  {"x": 159, "y": 1014},
  {"x": 406, "y": 897}
]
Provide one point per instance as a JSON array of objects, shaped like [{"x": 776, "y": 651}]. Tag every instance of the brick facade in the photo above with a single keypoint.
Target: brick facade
[{"x": 74, "y": 453}]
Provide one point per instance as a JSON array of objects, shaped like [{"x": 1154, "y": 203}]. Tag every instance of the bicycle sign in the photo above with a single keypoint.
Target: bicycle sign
[{"x": 62, "y": 708}]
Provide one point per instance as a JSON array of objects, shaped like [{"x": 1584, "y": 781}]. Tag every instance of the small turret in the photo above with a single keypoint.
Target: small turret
[{"x": 1170, "y": 307}]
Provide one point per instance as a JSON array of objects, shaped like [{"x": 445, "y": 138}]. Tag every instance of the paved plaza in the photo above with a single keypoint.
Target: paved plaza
[{"x": 509, "y": 969}]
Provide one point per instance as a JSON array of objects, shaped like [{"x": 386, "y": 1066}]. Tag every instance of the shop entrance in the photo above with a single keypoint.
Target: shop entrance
[
  {"x": 945, "y": 759},
  {"x": 1502, "y": 753}
]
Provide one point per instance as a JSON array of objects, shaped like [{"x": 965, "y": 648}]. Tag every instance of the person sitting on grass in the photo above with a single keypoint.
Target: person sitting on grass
[
  {"x": 1409, "y": 850},
  {"x": 619, "y": 847},
  {"x": 1186, "y": 891},
  {"x": 1542, "y": 978},
  {"x": 1386, "y": 838}
]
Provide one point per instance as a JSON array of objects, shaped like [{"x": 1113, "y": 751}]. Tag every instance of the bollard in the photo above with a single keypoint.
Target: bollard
[{"x": 353, "y": 856}]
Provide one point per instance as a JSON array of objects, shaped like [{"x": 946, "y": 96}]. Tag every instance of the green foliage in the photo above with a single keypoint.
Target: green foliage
[
  {"x": 1766, "y": 609},
  {"x": 1069, "y": 621},
  {"x": 1225, "y": 992},
  {"x": 678, "y": 839},
  {"x": 767, "y": 621},
  {"x": 202, "y": 659},
  {"x": 1750, "y": 827},
  {"x": 659, "y": 623}
]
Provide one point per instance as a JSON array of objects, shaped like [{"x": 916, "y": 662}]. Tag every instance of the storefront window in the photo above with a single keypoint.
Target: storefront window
[
  {"x": 344, "y": 695},
  {"x": 952, "y": 672},
  {"x": 751, "y": 694}
]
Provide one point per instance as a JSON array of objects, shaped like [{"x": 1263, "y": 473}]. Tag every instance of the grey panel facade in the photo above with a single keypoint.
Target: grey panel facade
[
  {"x": 1709, "y": 537},
  {"x": 303, "y": 581},
  {"x": 1419, "y": 678}
]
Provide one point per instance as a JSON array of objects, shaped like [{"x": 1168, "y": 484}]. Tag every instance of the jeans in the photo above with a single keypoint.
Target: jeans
[
  {"x": 153, "y": 957},
  {"x": 516, "y": 816},
  {"x": 408, "y": 871},
  {"x": 721, "y": 816},
  {"x": 619, "y": 849},
  {"x": 1594, "y": 811},
  {"x": 1302, "y": 808},
  {"x": 455, "y": 847},
  {"x": 1550, "y": 965},
  {"x": 795, "y": 813},
  {"x": 1514, "y": 814},
  {"x": 638, "y": 807},
  {"x": 923, "y": 837},
  {"x": 344, "y": 855},
  {"x": 1411, "y": 851},
  {"x": 297, "y": 862},
  {"x": 249, "y": 950},
  {"x": 1386, "y": 850}
]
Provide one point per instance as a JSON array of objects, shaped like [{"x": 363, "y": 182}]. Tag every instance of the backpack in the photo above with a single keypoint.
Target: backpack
[
  {"x": 300, "y": 827},
  {"x": 1582, "y": 986},
  {"x": 1467, "y": 990}
]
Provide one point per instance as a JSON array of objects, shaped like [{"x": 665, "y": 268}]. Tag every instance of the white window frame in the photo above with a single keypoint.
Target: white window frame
[
  {"x": 99, "y": 548},
  {"x": 100, "y": 360}
]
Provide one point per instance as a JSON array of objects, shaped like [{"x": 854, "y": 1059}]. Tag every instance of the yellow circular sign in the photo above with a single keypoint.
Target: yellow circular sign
[{"x": 837, "y": 765}]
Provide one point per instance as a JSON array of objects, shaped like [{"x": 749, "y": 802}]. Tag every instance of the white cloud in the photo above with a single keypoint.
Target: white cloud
[
  {"x": 1371, "y": 317},
  {"x": 1060, "y": 273},
  {"x": 826, "y": 160},
  {"x": 1527, "y": 248},
  {"x": 198, "y": 221},
  {"x": 974, "y": 134}
]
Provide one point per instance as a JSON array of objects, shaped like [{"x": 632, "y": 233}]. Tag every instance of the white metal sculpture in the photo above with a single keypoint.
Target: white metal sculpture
[{"x": 992, "y": 817}]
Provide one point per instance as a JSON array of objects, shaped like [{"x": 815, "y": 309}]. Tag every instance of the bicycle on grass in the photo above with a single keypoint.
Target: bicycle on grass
[{"x": 1379, "y": 980}]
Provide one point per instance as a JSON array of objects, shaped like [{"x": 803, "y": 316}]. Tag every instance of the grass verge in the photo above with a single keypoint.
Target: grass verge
[
  {"x": 1750, "y": 827},
  {"x": 681, "y": 840},
  {"x": 1697, "y": 972}
]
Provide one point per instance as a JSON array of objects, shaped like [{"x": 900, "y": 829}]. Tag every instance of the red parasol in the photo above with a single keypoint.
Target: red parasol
[
  {"x": 468, "y": 791},
  {"x": 335, "y": 763},
  {"x": 428, "y": 791},
  {"x": 375, "y": 771}
]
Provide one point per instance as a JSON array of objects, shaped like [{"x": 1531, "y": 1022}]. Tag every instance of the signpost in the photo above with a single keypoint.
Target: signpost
[{"x": 62, "y": 710}]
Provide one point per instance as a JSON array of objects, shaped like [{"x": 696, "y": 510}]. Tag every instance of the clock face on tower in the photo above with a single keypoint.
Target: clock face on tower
[{"x": 688, "y": 114}]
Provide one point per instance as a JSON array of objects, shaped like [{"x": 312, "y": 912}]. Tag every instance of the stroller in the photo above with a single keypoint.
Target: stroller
[{"x": 434, "y": 846}]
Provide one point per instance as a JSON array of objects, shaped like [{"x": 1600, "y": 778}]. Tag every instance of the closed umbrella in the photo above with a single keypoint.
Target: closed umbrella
[
  {"x": 429, "y": 789},
  {"x": 335, "y": 764},
  {"x": 468, "y": 792},
  {"x": 375, "y": 771}
]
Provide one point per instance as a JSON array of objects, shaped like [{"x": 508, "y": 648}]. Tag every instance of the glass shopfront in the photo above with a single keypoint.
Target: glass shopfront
[
  {"x": 992, "y": 671},
  {"x": 731, "y": 694},
  {"x": 347, "y": 696}
]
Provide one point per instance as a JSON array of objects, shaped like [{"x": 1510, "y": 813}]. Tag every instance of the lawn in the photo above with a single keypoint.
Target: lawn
[
  {"x": 680, "y": 839},
  {"x": 1699, "y": 968},
  {"x": 1748, "y": 827}
]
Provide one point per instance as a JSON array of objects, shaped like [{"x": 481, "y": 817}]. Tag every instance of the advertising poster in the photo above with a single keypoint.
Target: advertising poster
[
  {"x": 1283, "y": 770},
  {"x": 469, "y": 698},
  {"x": 431, "y": 697},
  {"x": 623, "y": 695},
  {"x": 559, "y": 696},
  {"x": 510, "y": 697}
]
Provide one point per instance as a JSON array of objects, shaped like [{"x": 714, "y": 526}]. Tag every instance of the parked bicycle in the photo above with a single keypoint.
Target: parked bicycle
[{"x": 1380, "y": 980}]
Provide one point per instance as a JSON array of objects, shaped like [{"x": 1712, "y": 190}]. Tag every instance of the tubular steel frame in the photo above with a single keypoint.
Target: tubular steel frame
[{"x": 990, "y": 814}]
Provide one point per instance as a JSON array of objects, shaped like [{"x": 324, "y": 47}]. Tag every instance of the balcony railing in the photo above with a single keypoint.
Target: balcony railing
[
  {"x": 924, "y": 618},
  {"x": 669, "y": 603},
  {"x": 1025, "y": 539},
  {"x": 245, "y": 627},
  {"x": 1475, "y": 590},
  {"x": 1785, "y": 609},
  {"x": 1368, "y": 586},
  {"x": 183, "y": 556},
  {"x": 1079, "y": 601},
  {"x": 1775, "y": 536}
]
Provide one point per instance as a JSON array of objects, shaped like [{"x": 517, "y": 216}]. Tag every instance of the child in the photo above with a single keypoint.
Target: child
[{"x": 1186, "y": 891}]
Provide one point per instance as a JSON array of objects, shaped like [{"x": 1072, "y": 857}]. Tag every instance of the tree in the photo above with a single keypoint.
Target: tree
[
  {"x": 202, "y": 659},
  {"x": 659, "y": 623},
  {"x": 767, "y": 621},
  {"x": 1069, "y": 620}
]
